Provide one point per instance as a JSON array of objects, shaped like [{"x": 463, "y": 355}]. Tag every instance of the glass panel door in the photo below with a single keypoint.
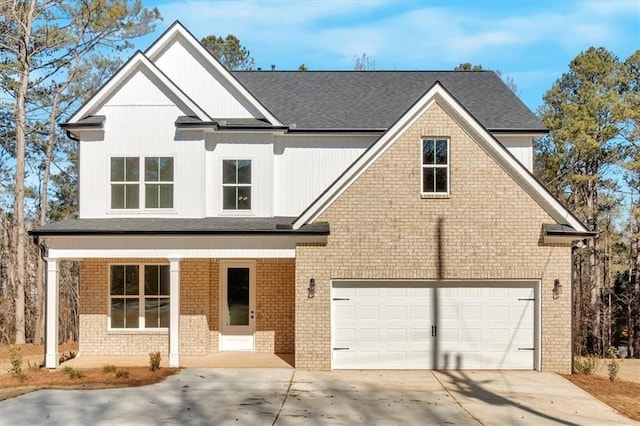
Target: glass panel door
[
  {"x": 238, "y": 296},
  {"x": 237, "y": 304}
]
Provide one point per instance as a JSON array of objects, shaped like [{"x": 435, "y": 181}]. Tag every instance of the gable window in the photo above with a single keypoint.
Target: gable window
[
  {"x": 236, "y": 184},
  {"x": 139, "y": 300},
  {"x": 435, "y": 166},
  {"x": 126, "y": 173}
]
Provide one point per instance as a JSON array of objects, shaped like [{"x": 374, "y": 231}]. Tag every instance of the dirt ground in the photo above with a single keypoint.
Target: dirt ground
[
  {"x": 91, "y": 378},
  {"x": 621, "y": 394}
]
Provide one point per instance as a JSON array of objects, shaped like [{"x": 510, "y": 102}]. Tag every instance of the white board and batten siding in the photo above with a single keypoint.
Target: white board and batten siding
[
  {"x": 424, "y": 325},
  {"x": 521, "y": 147},
  {"x": 201, "y": 82},
  {"x": 140, "y": 122},
  {"x": 305, "y": 165}
]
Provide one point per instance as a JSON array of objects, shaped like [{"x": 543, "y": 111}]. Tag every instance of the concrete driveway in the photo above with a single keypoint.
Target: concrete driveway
[{"x": 287, "y": 397}]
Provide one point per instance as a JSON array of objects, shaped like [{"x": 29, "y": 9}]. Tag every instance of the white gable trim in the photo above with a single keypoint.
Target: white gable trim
[
  {"x": 137, "y": 62},
  {"x": 177, "y": 29},
  {"x": 499, "y": 153}
]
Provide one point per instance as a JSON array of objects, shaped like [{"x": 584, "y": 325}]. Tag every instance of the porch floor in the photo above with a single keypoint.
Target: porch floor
[{"x": 214, "y": 360}]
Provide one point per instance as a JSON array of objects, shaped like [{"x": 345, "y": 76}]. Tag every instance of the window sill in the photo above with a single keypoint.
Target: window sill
[
  {"x": 148, "y": 331},
  {"x": 435, "y": 196}
]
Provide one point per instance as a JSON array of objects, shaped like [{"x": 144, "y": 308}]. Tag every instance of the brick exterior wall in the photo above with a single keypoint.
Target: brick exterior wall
[
  {"x": 275, "y": 314},
  {"x": 199, "y": 309},
  {"x": 381, "y": 227}
]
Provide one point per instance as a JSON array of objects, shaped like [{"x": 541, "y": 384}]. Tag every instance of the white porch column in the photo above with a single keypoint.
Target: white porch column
[
  {"x": 174, "y": 312},
  {"x": 51, "y": 338}
]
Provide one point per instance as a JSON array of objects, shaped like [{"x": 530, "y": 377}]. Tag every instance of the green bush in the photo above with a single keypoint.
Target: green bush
[
  {"x": 586, "y": 365},
  {"x": 122, "y": 374},
  {"x": 72, "y": 372},
  {"x": 109, "y": 368},
  {"x": 15, "y": 359},
  {"x": 154, "y": 360}
]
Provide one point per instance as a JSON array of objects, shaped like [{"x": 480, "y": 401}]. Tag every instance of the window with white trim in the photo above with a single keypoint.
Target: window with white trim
[
  {"x": 125, "y": 182},
  {"x": 435, "y": 166},
  {"x": 236, "y": 184},
  {"x": 158, "y": 182},
  {"x": 139, "y": 300},
  {"x": 126, "y": 174}
]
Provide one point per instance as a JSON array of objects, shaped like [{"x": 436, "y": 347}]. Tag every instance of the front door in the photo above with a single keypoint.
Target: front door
[{"x": 237, "y": 305}]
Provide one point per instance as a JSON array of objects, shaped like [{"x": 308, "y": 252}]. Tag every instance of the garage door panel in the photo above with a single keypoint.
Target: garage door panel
[{"x": 386, "y": 325}]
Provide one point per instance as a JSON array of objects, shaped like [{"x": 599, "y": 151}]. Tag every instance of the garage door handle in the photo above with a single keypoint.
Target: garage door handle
[
  {"x": 527, "y": 299},
  {"x": 526, "y": 349},
  {"x": 341, "y": 298},
  {"x": 434, "y": 330},
  {"x": 340, "y": 349}
]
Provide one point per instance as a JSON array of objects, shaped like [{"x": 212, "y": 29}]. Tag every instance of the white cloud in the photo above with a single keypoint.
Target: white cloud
[{"x": 522, "y": 38}]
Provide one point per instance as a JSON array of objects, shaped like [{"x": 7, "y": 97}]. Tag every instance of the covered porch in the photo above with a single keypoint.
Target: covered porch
[{"x": 200, "y": 277}]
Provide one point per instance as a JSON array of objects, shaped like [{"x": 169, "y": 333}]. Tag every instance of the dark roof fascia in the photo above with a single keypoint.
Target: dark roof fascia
[
  {"x": 336, "y": 130},
  {"x": 523, "y": 131},
  {"x": 88, "y": 232},
  {"x": 97, "y": 123},
  {"x": 564, "y": 232},
  {"x": 217, "y": 126}
]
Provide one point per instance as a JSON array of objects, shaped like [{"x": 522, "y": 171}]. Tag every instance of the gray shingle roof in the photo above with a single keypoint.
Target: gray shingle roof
[
  {"x": 159, "y": 226},
  {"x": 376, "y": 99}
]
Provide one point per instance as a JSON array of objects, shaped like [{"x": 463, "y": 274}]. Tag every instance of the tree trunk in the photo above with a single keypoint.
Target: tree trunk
[{"x": 18, "y": 205}]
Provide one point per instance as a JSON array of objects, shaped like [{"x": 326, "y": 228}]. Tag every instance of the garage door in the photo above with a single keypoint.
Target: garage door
[{"x": 416, "y": 325}]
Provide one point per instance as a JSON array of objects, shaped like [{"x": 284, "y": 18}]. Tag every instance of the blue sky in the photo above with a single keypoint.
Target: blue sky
[{"x": 529, "y": 41}]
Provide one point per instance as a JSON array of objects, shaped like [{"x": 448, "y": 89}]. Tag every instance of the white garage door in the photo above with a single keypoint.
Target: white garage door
[{"x": 415, "y": 325}]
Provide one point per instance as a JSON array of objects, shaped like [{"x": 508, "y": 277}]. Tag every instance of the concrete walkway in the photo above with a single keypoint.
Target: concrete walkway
[{"x": 278, "y": 396}]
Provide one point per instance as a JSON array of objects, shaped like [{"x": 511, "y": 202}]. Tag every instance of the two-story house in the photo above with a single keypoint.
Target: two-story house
[{"x": 353, "y": 219}]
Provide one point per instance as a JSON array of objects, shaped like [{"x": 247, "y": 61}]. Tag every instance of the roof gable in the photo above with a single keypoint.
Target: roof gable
[
  {"x": 181, "y": 56},
  {"x": 438, "y": 94},
  {"x": 141, "y": 69}
]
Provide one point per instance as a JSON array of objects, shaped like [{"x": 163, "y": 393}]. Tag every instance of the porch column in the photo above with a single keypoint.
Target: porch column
[
  {"x": 174, "y": 312},
  {"x": 51, "y": 338}
]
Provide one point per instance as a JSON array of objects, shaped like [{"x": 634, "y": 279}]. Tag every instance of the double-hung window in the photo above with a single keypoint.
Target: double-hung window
[
  {"x": 158, "y": 182},
  {"x": 236, "y": 184},
  {"x": 125, "y": 183},
  {"x": 435, "y": 166},
  {"x": 126, "y": 180},
  {"x": 139, "y": 296}
]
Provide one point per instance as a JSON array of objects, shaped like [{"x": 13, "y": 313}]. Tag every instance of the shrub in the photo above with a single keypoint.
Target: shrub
[
  {"x": 109, "y": 368},
  {"x": 613, "y": 365},
  {"x": 66, "y": 357},
  {"x": 122, "y": 374},
  {"x": 72, "y": 372},
  {"x": 15, "y": 359},
  {"x": 154, "y": 360},
  {"x": 586, "y": 365}
]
